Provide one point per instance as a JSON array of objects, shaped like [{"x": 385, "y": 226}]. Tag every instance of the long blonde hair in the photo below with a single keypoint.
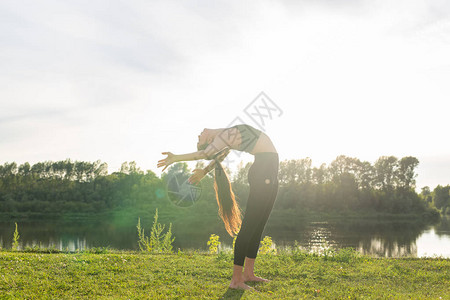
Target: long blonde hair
[{"x": 229, "y": 210}]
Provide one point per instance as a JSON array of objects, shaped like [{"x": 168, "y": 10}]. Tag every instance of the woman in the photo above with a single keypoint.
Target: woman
[{"x": 215, "y": 144}]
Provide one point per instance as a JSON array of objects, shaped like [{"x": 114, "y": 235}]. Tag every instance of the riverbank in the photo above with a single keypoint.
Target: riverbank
[
  {"x": 278, "y": 215},
  {"x": 196, "y": 275}
]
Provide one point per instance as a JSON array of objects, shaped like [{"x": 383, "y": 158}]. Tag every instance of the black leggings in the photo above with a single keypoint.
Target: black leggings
[{"x": 263, "y": 180}]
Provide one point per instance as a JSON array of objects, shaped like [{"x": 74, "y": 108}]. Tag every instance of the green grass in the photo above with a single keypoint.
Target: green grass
[{"x": 195, "y": 275}]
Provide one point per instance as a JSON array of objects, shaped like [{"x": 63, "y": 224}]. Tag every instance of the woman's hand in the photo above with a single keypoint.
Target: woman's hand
[
  {"x": 197, "y": 176},
  {"x": 170, "y": 159}
]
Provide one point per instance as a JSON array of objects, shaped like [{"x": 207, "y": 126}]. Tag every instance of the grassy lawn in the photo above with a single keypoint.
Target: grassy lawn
[{"x": 132, "y": 275}]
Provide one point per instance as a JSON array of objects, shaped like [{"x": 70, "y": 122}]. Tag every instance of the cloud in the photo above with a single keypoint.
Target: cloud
[
  {"x": 111, "y": 78},
  {"x": 94, "y": 52}
]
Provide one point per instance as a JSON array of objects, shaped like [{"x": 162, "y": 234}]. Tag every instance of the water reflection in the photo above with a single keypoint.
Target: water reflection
[
  {"x": 434, "y": 243},
  {"x": 381, "y": 239},
  {"x": 69, "y": 236},
  {"x": 379, "y": 247}
]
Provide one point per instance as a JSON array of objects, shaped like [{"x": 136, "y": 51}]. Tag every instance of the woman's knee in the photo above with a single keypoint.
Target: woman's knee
[{"x": 244, "y": 233}]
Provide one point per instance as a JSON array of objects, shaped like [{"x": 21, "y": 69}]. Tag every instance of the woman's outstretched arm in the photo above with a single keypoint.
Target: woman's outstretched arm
[
  {"x": 171, "y": 158},
  {"x": 190, "y": 156},
  {"x": 210, "y": 152}
]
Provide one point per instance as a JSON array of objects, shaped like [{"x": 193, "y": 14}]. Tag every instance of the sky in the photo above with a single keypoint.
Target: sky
[{"x": 124, "y": 81}]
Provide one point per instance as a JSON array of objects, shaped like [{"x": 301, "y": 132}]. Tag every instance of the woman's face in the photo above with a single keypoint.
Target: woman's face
[{"x": 202, "y": 140}]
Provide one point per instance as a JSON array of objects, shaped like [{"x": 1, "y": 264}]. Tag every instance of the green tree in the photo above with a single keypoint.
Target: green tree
[
  {"x": 441, "y": 197},
  {"x": 385, "y": 169},
  {"x": 241, "y": 176},
  {"x": 320, "y": 175},
  {"x": 426, "y": 194},
  {"x": 406, "y": 172},
  {"x": 295, "y": 171}
]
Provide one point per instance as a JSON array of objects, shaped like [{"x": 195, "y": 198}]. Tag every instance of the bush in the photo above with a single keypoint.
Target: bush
[
  {"x": 15, "y": 242},
  {"x": 267, "y": 246},
  {"x": 213, "y": 244},
  {"x": 431, "y": 214},
  {"x": 157, "y": 242}
]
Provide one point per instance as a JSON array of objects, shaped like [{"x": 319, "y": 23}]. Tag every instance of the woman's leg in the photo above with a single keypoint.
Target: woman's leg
[
  {"x": 252, "y": 250},
  {"x": 249, "y": 224},
  {"x": 254, "y": 242},
  {"x": 253, "y": 213},
  {"x": 241, "y": 246},
  {"x": 259, "y": 205}
]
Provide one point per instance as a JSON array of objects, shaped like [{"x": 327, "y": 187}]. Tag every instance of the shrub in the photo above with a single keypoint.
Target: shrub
[
  {"x": 213, "y": 244},
  {"x": 267, "y": 246},
  {"x": 15, "y": 242},
  {"x": 157, "y": 242}
]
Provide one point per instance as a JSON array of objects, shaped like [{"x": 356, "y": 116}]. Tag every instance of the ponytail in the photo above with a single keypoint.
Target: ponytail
[{"x": 228, "y": 208}]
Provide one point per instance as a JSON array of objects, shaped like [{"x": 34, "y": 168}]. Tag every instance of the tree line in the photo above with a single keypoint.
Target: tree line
[
  {"x": 346, "y": 184},
  {"x": 80, "y": 187}
]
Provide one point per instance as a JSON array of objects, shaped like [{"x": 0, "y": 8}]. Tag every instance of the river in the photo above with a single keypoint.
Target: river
[{"x": 381, "y": 239}]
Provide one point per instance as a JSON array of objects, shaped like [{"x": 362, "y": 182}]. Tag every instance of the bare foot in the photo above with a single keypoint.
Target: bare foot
[
  {"x": 255, "y": 278},
  {"x": 240, "y": 285}
]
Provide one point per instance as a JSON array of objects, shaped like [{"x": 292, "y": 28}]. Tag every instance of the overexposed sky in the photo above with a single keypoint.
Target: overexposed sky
[{"x": 126, "y": 80}]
